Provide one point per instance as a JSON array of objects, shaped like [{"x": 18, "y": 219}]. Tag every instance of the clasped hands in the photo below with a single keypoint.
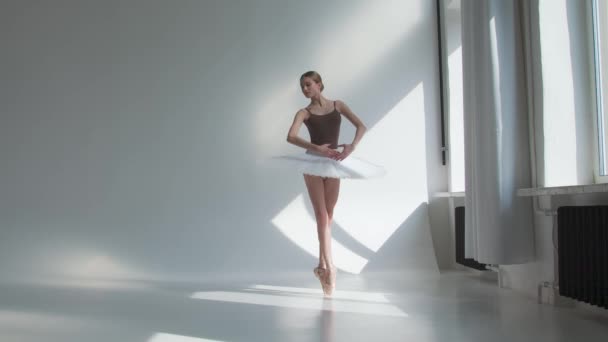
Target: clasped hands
[{"x": 328, "y": 152}]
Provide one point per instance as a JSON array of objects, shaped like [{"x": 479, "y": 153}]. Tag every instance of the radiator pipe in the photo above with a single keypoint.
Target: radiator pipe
[
  {"x": 496, "y": 268},
  {"x": 545, "y": 284}
]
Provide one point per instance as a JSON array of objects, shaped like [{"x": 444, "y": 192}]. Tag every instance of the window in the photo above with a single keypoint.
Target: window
[
  {"x": 599, "y": 21},
  {"x": 564, "y": 133},
  {"x": 455, "y": 122}
]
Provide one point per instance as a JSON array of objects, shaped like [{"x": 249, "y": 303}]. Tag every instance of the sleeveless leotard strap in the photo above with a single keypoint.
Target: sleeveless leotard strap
[{"x": 309, "y": 112}]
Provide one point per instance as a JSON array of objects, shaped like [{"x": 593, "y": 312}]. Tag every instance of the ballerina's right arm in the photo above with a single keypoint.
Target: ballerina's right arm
[{"x": 292, "y": 137}]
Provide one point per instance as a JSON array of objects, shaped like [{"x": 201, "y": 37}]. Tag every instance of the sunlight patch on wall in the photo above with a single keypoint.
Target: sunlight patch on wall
[
  {"x": 370, "y": 211},
  {"x": 391, "y": 22},
  {"x": 298, "y": 224}
]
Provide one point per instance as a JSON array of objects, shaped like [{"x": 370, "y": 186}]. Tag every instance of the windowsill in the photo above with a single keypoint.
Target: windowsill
[
  {"x": 450, "y": 194},
  {"x": 552, "y": 190},
  {"x": 563, "y": 190}
]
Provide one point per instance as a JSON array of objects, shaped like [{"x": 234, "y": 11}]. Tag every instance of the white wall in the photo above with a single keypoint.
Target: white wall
[{"x": 134, "y": 133}]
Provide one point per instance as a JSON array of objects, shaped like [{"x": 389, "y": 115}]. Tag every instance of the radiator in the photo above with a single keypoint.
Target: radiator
[
  {"x": 460, "y": 258},
  {"x": 583, "y": 253}
]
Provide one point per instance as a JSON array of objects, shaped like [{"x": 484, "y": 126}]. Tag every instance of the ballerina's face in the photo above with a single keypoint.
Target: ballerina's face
[{"x": 310, "y": 88}]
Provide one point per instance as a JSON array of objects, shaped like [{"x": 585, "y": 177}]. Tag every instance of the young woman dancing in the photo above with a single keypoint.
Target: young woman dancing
[{"x": 324, "y": 163}]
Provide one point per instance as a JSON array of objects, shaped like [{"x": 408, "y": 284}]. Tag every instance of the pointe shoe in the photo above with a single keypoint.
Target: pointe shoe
[
  {"x": 318, "y": 271},
  {"x": 319, "y": 274},
  {"x": 329, "y": 282}
]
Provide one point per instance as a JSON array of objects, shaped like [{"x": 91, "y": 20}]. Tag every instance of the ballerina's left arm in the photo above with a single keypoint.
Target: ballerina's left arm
[{"x": 354, "y": 119}]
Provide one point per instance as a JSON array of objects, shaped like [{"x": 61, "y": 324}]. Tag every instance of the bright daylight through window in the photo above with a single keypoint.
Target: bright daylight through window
[{"x": 600, "y": 43}]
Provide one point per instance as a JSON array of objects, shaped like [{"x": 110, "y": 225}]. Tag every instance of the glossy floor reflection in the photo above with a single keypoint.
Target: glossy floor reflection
[{"x": 451, "y": 307}]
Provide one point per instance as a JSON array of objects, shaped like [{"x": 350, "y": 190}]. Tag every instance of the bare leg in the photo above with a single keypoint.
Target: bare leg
[
  {"x": 332, "y": 189},
  {"x": 323, "y": 194},
  {"x": 316, "y": 192}
]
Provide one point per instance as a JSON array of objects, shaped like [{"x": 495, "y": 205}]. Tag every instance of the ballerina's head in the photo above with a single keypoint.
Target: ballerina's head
[{"x": 311, "y": 84}]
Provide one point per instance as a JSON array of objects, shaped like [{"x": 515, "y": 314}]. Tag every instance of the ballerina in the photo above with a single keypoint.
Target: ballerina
[{"x": 324, "y": 164}]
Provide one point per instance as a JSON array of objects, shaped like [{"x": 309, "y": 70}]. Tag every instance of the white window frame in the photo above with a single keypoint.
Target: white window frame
[{"x": 596, "y": 97}]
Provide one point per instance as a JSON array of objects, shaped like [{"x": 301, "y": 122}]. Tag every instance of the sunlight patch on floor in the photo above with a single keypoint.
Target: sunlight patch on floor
[{"x": 350, "y": 301}]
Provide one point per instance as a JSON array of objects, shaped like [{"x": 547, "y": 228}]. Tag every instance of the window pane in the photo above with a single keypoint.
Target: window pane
[{"x": 456, "y": 123}]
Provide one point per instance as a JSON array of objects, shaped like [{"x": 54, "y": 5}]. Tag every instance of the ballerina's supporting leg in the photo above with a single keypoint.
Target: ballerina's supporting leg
[
  {"x": 332, "y": 190},
  {"x": 323, "y": 194}
]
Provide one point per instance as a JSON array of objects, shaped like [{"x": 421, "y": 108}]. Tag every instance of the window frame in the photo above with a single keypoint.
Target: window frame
[{"x": 598, "y": 103}]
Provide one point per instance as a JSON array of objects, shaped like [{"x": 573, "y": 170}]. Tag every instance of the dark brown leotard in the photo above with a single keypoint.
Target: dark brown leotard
[{"x": 325, "y": 128}]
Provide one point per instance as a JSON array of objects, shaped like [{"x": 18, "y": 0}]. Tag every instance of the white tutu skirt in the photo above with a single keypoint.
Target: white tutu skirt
[{"x": 312, "y": 164}]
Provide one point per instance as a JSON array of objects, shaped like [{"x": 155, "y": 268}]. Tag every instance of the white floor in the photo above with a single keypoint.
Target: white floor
[{"x": 452, "y": 307}]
